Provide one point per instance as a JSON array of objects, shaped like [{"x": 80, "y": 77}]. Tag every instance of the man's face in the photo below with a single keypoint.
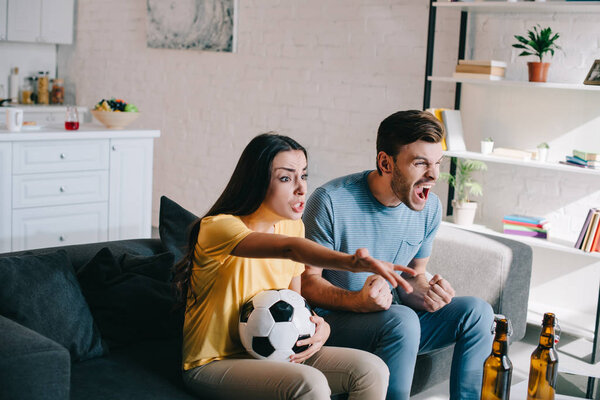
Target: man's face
[{"x": 416, "y": 167}]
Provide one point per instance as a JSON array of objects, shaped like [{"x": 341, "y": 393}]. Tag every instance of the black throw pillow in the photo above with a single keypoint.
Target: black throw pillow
[
  {"x": 41, "y": 292},
  {"x": 173, "y": 226},
  {"x": 131, "y": 299}
]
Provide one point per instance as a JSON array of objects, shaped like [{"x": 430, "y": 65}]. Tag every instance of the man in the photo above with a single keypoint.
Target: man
[{"x": 392, "y": 212}]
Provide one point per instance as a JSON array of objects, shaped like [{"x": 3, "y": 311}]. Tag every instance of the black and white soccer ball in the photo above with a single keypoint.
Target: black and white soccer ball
[{"x": 272, "y": 322}]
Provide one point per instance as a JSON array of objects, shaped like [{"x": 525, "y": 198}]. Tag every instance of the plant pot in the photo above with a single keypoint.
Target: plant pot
[
  {"x": 542, "y": 154},
  {"x": 464, "y": 213},
  {"x": 487, "y": 147},
  {"x": 538, "y": 71}
]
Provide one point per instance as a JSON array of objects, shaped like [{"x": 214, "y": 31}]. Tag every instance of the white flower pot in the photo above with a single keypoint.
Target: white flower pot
[
  {"x": 542, "y": 154},
  {"x": 464, "y": 213},
  {"x": 487, "y": 147}
]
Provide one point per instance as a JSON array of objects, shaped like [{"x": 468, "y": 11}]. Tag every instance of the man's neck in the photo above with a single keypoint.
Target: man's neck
[{"x": 381, "y": 188}]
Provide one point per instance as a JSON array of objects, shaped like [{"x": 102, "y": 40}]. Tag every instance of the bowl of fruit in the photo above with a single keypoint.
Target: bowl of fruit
[{"x": 115, "y": 113}]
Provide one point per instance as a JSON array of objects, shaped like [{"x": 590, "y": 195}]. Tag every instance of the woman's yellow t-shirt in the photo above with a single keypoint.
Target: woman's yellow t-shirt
[{"x": 222, "y": 283}]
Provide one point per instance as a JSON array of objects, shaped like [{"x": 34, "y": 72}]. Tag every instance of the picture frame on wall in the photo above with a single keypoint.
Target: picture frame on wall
[{"x": 593, "y": 76}]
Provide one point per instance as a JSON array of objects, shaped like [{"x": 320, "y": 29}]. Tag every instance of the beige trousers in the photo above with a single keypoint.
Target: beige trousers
[{"x": 333, "y": 370}]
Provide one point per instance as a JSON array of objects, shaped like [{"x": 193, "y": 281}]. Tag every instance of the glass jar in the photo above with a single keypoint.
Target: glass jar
[
  {"x": 57, "y": 94},
  {"x": 27, "y": 91},
  {"x": 42, "y": 88}
]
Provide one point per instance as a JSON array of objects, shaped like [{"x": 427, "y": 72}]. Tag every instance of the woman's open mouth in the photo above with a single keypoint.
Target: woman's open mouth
[{"x": 298, "y": 207}]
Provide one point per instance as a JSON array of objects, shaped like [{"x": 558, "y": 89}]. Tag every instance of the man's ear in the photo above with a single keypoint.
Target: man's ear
[{"x": 385, "y": 162}]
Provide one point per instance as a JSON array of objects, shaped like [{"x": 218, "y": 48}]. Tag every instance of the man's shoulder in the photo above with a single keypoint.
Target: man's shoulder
[{"x": 344, "y": 183}]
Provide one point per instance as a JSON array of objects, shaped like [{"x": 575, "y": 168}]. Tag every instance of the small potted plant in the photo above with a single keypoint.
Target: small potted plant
[
  {"x": 542, "y": 151},
  {"x": 464, "y": 186},
  {"x": 487, "y": 145},
  {"x": 537, "y": 43}
]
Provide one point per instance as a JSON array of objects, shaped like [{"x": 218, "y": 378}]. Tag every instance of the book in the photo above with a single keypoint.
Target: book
[
  {"x": 591, "y": 232},
  {"x": 438, "y": 114},
  {"x": 542, "y": 235},
  {"x": 584, "y": 228},
  {"x": 594, "y": 246},
  {"x": 590, "y": 163},
  {"x": 575, "y": 160},
  {"x": 586, "y": 156},
  {"x": 491, "y": 63},
  {"x": 487, "y": 77},
  {"x": 454, "y": 130},
  {"x": 513, "y": 153},
  {"x": 516, "y": 227},
  {"x": 526, "y": 218},
  {"x": 480, "y": 69},
  {"x": 526, "y": 224}
]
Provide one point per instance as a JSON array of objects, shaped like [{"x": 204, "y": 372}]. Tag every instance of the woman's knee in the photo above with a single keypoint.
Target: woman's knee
[{"x": 308, "y": 383}]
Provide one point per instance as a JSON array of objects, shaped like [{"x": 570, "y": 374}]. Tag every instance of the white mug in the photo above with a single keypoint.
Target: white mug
[{"x": 14, "y": 119}]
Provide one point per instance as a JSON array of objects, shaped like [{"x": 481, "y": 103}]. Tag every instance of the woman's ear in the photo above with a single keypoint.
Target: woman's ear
[{"x": 385, "y": 162}]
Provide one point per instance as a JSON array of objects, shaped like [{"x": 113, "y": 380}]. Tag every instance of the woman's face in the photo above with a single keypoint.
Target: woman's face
[{"x": 287, "y": 189}]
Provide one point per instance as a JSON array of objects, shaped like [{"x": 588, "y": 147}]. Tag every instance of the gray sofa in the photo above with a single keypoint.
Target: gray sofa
[{"x": 35, "y": 367}]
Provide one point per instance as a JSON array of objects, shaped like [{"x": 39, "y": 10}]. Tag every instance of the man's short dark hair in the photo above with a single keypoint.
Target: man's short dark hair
[{"x": 405, "y": 127}]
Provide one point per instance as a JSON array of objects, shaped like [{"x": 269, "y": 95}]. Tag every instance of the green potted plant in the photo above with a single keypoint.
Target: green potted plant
[
  {"x": 487, "y": 145},
  {"x": 542, "y": 151},
  {"x": 464, "y": 186},
  {"x": 537, "y": 43}
]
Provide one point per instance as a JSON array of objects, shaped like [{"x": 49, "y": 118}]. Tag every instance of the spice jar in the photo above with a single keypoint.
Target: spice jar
[
  {"x": 27, "y": 91},
  {"x": 57, "y": 95},
  {"x": 42, "y": 88}
]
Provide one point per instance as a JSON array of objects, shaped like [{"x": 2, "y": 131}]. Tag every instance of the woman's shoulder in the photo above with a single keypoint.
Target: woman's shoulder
[{"x": 222, "y": 222}]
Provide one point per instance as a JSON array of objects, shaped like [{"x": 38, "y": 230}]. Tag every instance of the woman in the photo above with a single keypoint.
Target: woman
[{"x": 252, "y": 239}]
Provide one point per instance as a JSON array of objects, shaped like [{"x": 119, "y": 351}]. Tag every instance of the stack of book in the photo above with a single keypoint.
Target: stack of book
[
  {"x": 583, "y": 159},
  {"x": 589, "y": 237},
  {"x": 524, "y": 225},
  {"x": 480, "y": 69}
]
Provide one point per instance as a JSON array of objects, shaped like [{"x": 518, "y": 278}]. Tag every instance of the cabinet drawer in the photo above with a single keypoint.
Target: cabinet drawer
[
  {"x": 59, "y": 156},
  {"x": 63, "y": 188},
  {"x": 59, "y": 226}
]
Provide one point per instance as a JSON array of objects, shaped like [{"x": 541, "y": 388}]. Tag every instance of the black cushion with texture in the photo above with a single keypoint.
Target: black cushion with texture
[
  {"x": 173, "y": 226},
  {"x": 41, "y": 293},
  {"x": 131, "y": 299}
]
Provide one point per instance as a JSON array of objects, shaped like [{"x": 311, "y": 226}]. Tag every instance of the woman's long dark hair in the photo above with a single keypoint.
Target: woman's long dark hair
[{"x": 243, "y": 195}]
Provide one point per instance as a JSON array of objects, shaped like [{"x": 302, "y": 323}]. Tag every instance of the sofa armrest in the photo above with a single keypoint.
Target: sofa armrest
[
  {"x": 495, "y": 269},
  {"x": 31, "y": 365}
]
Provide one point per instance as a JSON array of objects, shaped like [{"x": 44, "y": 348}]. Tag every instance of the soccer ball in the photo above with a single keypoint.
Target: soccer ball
[{"x": 272, "y": 322}]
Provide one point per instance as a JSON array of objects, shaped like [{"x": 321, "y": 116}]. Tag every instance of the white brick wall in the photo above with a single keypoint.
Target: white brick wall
[{"x": 323, "y": 72}]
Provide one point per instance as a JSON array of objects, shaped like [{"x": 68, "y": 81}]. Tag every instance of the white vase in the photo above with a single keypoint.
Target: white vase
[
  {"x": 487, "y": 147},
  {"x": 464, "y": 213},
  {"x": 542, "y": 154}
]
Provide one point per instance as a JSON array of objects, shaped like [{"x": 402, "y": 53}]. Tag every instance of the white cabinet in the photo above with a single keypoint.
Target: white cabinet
[
  {"x": 5, "y": 198},
  {"x": 47, "y": 21},
  {"x": 56, "y": 190},
  {"x": 3, "y": 18},
  {"x": 130, "y": 200}
]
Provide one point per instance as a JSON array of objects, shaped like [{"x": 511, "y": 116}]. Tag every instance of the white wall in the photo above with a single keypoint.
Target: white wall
[{"x": 323, "y": 72}]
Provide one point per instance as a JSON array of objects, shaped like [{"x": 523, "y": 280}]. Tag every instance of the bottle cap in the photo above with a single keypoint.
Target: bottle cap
[{"x": 502, "y": 322}]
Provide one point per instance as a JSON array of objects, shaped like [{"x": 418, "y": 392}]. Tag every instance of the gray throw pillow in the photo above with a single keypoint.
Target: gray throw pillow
[
  {"x": 174, "y": 226},
  {"x": 41, "y": 293}
]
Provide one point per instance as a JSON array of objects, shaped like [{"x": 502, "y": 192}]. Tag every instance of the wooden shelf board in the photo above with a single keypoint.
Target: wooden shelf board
[
  {"x": 552, "y": 244},
  {"x": 539, "y": 85},
  {"x": 525, "y": 7}
]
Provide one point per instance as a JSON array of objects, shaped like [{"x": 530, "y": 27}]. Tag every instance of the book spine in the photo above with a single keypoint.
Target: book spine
[
  {"x": 526, "y": 219},
  {"x": 579, "y": 241},
  {"x": 594, "y": 246},
  {"x": 527, "y": 224},
  {"x": 524, "y": 228},
  {"x": 587, "y": 245},
  {"x": 542, "y": 235}
]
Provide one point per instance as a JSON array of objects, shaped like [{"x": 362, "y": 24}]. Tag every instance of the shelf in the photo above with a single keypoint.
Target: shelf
[
  {"x": 537, "y": 85},
  {"x": 532, "y": 164},
  {"x": 552, "y": 244},
  {"x": 524, "y": 7}
]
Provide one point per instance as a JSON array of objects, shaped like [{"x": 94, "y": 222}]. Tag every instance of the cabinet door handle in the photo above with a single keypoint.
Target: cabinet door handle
[
  {"x": 62, "y": 189},
  {"x": 62, "y": 238},
  {"x": 114, "y": 148},
  {"x": 63, "y": 156}
]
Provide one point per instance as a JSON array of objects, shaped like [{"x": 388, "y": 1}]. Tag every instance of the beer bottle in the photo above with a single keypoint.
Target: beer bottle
[
  {"x": 497, "y": 369},
  {"x": 544, "y": 363}
]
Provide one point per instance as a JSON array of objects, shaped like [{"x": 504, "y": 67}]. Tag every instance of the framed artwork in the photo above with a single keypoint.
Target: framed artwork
[
  {"x": 191, "y": 24},
  {"x": 593, "y": 77}
]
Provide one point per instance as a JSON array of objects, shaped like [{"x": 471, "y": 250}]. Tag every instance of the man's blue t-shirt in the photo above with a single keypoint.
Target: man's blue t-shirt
[{"x": 344, "y": 215}]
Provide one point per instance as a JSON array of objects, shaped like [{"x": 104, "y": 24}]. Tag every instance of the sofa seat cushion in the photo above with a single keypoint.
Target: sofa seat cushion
[
  {"x": 131, "y": 299},
  {"x": 146, "y": 370},
  {"x": 41, "y": 293}
]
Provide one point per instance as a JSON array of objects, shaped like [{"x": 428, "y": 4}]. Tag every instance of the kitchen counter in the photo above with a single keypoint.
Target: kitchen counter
[{"x": 85, "y": 131}]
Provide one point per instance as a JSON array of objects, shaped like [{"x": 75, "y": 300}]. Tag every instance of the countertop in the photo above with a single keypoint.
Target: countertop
[{"x": 85, "y": 131}]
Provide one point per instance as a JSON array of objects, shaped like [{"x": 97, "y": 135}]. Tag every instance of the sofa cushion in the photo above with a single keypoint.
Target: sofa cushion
[
  {"x": 173, "y": 226},
  {"x": 131, "y": 299},
  {"x": 41, "y": 292}
]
